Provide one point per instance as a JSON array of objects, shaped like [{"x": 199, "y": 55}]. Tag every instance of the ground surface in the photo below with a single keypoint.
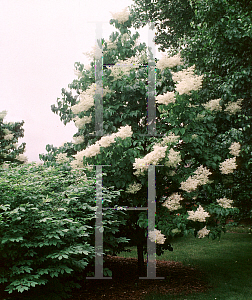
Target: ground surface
[{"x": 126, "y": 284}]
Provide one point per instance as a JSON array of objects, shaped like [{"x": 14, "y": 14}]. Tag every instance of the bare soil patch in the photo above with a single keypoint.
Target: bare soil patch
[{"x": 125, "y": 283}]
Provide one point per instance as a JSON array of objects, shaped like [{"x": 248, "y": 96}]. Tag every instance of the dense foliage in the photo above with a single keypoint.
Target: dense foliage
[
  {"x": 47, "y": 218},
  {"x": 216, "y": 37}
]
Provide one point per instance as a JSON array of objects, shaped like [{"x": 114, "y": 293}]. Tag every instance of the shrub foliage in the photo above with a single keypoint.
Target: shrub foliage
[{"x": 47, "y": 219}]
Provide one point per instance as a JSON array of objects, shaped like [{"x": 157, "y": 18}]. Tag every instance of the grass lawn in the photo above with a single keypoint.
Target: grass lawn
[{"x": 227, "y": 264}]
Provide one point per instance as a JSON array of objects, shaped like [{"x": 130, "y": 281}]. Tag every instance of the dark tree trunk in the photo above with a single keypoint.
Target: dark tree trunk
[{"x": 141, "y": 270}]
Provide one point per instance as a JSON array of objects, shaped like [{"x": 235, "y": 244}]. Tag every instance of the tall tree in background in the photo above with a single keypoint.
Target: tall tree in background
[{"x": 9, "y": 134}]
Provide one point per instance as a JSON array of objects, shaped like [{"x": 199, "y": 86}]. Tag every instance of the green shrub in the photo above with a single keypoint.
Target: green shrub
[{"x": 47, "y": 226}]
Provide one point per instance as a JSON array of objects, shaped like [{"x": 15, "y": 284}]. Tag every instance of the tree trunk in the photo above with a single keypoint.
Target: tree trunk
[{"x": 141, "y": 270}]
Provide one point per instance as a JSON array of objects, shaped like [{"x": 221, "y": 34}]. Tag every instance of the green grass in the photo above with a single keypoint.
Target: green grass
[
  {"x": 240, "y": 228},
  {"x": 227, "y": 264}
]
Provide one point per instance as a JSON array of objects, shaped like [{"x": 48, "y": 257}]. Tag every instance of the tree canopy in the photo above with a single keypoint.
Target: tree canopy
[
  {"x": 204, "y": 144},
  {"x": 10, "y": 132},
  {"x": 216, "y": 37}
]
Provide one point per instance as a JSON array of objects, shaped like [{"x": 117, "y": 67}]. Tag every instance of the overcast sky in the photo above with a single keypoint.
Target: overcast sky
[{"x": 39, "y": 43}]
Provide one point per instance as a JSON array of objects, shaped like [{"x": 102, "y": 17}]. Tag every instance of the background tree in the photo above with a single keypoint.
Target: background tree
[{"x": 9, "y": 134}]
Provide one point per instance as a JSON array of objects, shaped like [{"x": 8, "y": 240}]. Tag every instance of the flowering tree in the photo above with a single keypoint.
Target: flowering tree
[
  {"x": 199, "y": 148},
  {"x": 9, "y": 135},
  {"x": 215, "y": 36}
]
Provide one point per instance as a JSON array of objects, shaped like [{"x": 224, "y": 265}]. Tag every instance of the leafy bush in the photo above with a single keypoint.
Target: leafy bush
[{"x": 47, "y": 219}]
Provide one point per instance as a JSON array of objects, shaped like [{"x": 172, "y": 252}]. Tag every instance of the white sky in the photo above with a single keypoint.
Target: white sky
[{"x": 39, "y": 42}]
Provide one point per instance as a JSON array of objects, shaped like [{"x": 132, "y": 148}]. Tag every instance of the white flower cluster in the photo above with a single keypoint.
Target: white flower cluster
[
  {"x": 189, "y": 185},
  {"x": 123, "y": 67},
  {"x": 122, "y": 16},
  {"x": 89, "y": 91},
  {"x": 95, "y": 53},
  {"x": 61, "y": 157},
  {"x": 173, "y": 202},
  {"x": 201, "y": 174},
  {"x": 233, "y": 107},
  {"x": 111, "y": 45},
  {"x": 90, "y": 151},
  {"x": 77, "y": 162},
  {"x": 200, "y": 178},
  {"x": 80, "y": 122},
  {"x": 169, "y": 62},
  {"x": 157, "y": 237},
  {"x": 78, "y": 140},
  {"x": 213, "y": 105},
  {"x": 8, "y": 135},
  {"x": 87, "y": 67},
  {"x": 105, "y": 141},
  {"x": 3, "y": 114},
  {"x": 187, "y": 81},
  {"x": 228, "y": 165},
  {"x": 124, "y": 132},
  {"x": 225, "y": 203},
  {"x": 184, "y": 74},
  {"x": 153, "y": 157},
  {"x": 203, "y": 232},
  {"x": 171, "y": 138},
  {"x": 133, "y": 188},
  {"x": 199, "y": 215},
  {"x": 174, "y": 158},
  {"x": 125, "y": 37},
  {"x": 86, "y": 100},
  {"x": 191, "y": 84},
  {"x": 22, "y": 157},
  {"x": 137, "y": 42},
  {"x": 6, "y": 131},
  {"x": 235, "y": 149},
  {"x": 168, "y": 97}
]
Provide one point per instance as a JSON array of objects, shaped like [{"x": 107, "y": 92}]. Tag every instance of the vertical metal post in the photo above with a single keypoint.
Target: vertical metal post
[
  {"x": 151, "y": 111},
  {"x": 151, "y": 246},
  {"x": 98, "y": 81},
  {"x": 98, "y": 228}
]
